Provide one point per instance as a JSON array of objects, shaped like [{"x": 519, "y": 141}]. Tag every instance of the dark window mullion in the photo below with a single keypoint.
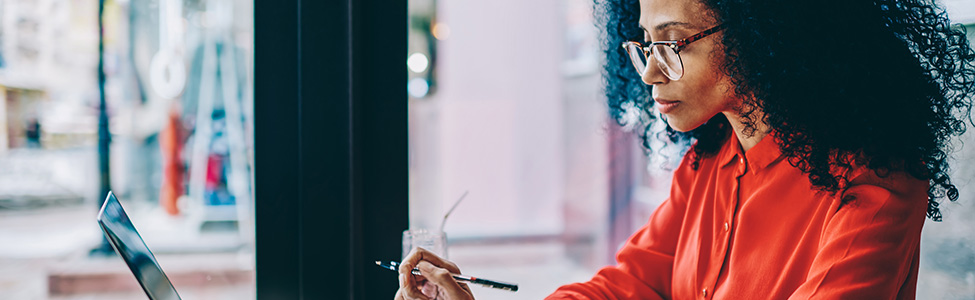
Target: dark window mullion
[
  {"x": 326, "y": 137},
  {"x": 330, "y": 147},
  {"x": 275, "y": 153},
  {"x": 380, "y": 156}
]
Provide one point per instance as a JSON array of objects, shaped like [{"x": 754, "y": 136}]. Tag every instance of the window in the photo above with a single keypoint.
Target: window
[
  {"x": 512, "y": 112},
  {"x": 179, "y": 105},
  {"x": 515, "y": 117}
]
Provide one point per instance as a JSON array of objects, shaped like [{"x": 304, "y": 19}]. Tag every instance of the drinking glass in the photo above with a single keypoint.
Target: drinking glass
[{"x": 434, "y": 241}]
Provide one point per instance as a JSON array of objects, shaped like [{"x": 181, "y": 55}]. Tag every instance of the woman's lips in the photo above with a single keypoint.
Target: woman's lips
[{"x": 666, "y": 106}]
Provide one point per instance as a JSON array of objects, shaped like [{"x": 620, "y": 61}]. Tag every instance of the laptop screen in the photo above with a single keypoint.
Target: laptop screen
[{"x": 130, "y": 246}]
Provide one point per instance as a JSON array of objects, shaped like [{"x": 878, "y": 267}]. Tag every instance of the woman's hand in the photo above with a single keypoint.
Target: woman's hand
[{"x": 436, "y": 281}]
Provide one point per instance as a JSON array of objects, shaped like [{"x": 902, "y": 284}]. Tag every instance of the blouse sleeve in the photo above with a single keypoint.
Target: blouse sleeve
[
  {"x": 644, "y": 264},
  {"x": 871, "y": 245}
]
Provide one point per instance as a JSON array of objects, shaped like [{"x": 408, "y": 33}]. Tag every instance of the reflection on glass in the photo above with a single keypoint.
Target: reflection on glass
[{"x": 130, "y": 246}]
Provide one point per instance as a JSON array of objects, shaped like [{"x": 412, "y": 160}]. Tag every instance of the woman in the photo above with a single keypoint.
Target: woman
[{"x": 820, "y": 134}]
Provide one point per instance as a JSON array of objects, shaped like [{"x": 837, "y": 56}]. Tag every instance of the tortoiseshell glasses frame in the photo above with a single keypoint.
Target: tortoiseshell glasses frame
[{"x": 666, "y": 53}]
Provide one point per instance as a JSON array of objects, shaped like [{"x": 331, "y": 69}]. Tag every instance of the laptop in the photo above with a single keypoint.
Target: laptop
[{"x": 133, "y": 250}]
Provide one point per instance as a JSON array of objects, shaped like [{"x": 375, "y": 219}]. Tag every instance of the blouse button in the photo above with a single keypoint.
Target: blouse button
[
  {"x": 726, "y": 226},
  {"x": 741, "y": 160},
  {"x": 704, "y": 292}
]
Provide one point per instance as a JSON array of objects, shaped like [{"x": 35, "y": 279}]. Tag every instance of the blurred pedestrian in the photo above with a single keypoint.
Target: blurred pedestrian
[{"x": 33, "y": 133}]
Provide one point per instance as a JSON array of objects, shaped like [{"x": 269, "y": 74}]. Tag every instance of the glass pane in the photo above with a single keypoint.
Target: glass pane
[
  {"x": 179, "y": 117},
  {"x": 554, "y": 187},
  {"x": 513, "y": 115},
  {"x": 947, "y": 266}
]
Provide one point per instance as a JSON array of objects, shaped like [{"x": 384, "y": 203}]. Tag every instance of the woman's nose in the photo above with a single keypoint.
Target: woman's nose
[{"x": 652, "y": 75}]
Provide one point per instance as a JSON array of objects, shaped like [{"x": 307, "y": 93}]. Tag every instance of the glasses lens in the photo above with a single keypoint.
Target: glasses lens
[
  {"x": 668, "y": 61},
  {"x": 637, "y": 57}
]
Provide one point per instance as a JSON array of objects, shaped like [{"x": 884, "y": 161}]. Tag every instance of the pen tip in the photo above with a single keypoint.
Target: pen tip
[{"x": 379, "y": 263}]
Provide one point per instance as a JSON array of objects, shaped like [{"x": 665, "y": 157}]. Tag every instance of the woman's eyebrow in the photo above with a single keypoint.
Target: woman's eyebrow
[
  {"x": 663, "y": 26},
  {"x": 644, "y": 29}
]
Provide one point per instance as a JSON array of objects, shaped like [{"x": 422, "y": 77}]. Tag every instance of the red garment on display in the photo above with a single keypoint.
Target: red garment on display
[
  {"x": 748, "y": 225},
  {"x": 171, "y": 146}
]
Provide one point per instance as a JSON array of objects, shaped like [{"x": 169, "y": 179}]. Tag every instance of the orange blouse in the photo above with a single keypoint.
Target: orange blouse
[{"x": 748, "y": 225}]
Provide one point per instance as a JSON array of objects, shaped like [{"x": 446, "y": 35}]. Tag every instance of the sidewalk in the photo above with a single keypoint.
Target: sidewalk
[{"x": 43, "y": 255}]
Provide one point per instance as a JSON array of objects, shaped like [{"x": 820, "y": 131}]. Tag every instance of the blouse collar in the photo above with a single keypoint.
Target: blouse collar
[{"x": 761, "y": 155}]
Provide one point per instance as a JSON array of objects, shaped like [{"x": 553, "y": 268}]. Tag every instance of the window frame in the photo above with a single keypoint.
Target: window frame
[{"x": 331, "y": 164}]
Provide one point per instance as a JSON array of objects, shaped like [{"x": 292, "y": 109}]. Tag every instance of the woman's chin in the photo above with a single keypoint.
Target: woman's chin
[{"x": 676, "y": 124}]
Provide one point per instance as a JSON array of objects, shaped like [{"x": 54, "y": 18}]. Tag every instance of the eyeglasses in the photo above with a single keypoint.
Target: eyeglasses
[{"x": 666, "y": 53}]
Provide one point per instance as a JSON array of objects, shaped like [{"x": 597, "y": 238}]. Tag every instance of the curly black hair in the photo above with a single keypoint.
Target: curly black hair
[{"x": 883, "y": 84}]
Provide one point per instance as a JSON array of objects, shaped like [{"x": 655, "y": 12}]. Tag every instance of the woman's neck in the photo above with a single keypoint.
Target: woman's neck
[{"x": 759, "y": 131}]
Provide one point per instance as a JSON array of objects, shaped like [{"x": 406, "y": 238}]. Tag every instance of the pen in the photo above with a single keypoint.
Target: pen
[{"x": 394, "y": 266}]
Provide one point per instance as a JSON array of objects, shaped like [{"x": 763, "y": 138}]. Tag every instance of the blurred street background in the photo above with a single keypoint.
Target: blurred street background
[{"x": 174, "y": 144}]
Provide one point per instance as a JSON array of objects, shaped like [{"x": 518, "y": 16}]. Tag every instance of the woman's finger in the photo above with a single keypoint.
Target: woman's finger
[
  {"x": 444, "y": 280},
  {"x": 412, "y": 283},
  {"x": 430, "y": 290},
  {"x": 409, "y": 262},
  {"x": 419, "y": 254},
  {"x": 408, "y": 282},
  {"x": 408, "y": 288}
]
